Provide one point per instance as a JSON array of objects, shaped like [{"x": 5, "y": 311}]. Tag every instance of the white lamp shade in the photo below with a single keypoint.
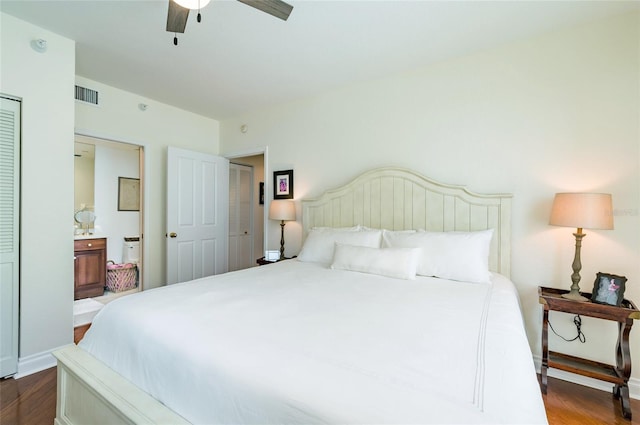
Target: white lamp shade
[
  {"x": 193, "y": 4},
  {"x": 282, "y": 210},
  {"x": 582, "y": 210}
]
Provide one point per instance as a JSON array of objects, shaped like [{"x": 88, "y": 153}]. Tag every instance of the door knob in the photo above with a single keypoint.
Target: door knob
[{"x": 173, "y": 235}]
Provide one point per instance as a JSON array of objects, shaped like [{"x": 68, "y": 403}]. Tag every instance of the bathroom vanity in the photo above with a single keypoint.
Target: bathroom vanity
[{"x": 90, "y": 257}]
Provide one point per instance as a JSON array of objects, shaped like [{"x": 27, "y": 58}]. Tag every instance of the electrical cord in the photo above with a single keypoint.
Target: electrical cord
[{"x": 578, "y": 322}]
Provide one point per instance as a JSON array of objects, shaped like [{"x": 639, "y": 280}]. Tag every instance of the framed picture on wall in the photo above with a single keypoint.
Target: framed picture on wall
[
  {"x": 128, "y": 194},
  {"x": 283, "y": 184},
  {"x": 608, "y": 289}
]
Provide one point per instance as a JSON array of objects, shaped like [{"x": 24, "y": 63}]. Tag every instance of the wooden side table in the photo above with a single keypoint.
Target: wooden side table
[
  {"x": 619, "y": 374},
  {"x": 261, "y": 261}
]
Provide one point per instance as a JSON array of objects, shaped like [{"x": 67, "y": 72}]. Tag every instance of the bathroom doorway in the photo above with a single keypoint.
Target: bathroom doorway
[{"x": 108, "y": 223}]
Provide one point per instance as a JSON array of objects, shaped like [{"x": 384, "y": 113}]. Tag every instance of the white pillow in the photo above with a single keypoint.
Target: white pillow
[
  {"x": 320, "y": 243},
  {"x": 462, "y": 256},
  {"x": 400, "y": 263}
]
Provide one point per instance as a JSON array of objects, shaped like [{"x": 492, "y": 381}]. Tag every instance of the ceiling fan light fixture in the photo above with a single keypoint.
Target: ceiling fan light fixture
[
  {"x": 193, "y": 4},
  {"x": 178, "y": 12}
]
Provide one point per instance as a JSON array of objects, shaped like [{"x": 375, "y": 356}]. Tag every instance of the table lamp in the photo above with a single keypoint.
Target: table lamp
[
  {"x": 581, "y": 210},
  {"x": 283, "y": 211}
]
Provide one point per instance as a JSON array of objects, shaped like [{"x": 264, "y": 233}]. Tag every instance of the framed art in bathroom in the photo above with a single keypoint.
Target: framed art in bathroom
[{"x": 128, "y": 194}]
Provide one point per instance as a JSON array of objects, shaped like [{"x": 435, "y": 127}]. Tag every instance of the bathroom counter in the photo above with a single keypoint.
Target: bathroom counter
[
  {"x": 90, "y": 269},
  {"x": 91, "y": 236}
]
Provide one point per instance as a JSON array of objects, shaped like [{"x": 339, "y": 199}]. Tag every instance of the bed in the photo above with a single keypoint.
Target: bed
[{"x": 363, "y": 327}]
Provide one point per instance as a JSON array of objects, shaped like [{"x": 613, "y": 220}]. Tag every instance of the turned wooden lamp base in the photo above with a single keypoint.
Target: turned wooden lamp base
[{"x": 574, "y": 295}]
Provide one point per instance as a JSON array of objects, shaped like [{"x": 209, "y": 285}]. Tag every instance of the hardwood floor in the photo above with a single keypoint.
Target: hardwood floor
[
  {"x": 569, "y": 404},
  {"x": 32, "y": 401}
]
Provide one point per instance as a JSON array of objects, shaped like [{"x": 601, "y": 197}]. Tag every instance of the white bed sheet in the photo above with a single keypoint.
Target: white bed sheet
[{"x": 299, "y": 343}]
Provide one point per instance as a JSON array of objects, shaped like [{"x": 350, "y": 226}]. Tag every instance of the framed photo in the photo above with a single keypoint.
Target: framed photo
[
  {"x": 283, "y": 184},
  {"x": 608, "y": 289},
  {"x": 128, "y": 194},
  {"x": 261, "y": 199}
]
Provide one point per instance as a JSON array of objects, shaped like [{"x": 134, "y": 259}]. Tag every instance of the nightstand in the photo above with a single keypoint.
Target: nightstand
[
  {"x": 261, "y": 261},
  {"x": 619, "y": 374}
]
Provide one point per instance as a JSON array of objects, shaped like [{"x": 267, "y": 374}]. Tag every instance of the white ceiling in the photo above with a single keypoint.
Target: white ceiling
[{"x": 240, "y": 59}]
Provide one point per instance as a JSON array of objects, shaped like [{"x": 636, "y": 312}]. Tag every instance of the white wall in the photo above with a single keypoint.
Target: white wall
[
  {"x": 119, "y": 118},
  {"x": 44, "y": 81},
  {"x": 111, "y": 163},
  {"x": 555, "y": 113}
]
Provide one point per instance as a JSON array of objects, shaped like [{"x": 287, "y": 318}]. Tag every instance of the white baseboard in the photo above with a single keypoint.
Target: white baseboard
[
  {"x": 35, "y": 363},
  {"x": 634, "y": 383}
]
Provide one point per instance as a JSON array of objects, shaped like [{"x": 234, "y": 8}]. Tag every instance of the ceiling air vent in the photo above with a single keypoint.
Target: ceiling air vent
[{"x": 86, "y": 95}]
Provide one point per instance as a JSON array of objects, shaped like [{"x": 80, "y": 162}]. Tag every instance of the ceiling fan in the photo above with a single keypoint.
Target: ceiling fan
[{"x": 179, "y": 12}]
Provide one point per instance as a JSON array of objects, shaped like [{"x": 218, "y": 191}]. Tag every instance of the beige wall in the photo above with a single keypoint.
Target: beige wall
[
  {"x": 44, "y": 81},
  {"x": 556, "y": 113},
  {"x": 119, "y": 118}
]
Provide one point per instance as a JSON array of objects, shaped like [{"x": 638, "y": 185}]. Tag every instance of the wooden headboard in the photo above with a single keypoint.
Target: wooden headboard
[{"x": 400, "y": 199}]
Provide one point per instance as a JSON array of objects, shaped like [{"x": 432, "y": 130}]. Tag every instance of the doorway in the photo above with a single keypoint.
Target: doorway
[
  {"x": 241, "y": 182},
  {"x": 254, "y": 248},
  {"x": 108, "y": 222}
]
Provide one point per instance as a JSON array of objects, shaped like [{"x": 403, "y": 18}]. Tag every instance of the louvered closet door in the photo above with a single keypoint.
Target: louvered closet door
[{"x": 9, "y": 233}]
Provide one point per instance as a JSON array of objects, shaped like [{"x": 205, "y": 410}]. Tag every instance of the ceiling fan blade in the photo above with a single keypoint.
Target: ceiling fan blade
[
  {"x": 176, "y": 17},
  {"x": 277, "y": 8}
]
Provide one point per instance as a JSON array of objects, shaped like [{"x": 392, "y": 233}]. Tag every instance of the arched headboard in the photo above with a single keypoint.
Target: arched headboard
[{"x": 400, "y": 199}]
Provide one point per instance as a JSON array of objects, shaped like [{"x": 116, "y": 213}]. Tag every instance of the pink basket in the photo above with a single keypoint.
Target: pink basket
[{"x": 121, "y": 277}]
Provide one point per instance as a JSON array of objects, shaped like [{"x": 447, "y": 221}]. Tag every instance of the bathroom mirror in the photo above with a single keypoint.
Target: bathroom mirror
[{"x": 85, "y": 219}]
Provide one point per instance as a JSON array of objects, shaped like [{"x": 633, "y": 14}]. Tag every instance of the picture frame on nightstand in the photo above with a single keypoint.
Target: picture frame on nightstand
[{"x": 608, "y": 289}]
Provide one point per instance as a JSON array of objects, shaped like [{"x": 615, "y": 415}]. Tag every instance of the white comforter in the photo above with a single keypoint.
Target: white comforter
[{"x": 299, "y": 343}]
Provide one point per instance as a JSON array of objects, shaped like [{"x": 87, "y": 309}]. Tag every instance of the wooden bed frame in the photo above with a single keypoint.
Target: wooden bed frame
[{"x": 390, "y": 198}]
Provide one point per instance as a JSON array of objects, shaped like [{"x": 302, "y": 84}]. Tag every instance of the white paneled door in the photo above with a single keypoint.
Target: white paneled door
[
  {"x": 240, "y": 217},
  {"x": 197, "y": 215},
  {"x": 9, "y": 234}
]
